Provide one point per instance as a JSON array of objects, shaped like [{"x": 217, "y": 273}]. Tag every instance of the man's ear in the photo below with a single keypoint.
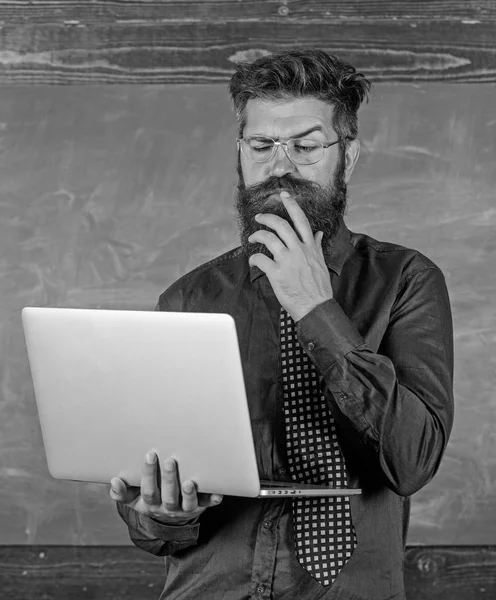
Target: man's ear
[{"x": 352, "y": 153}]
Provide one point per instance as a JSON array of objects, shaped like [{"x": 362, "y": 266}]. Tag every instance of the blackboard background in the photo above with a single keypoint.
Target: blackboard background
[{"x": 109, "y": 193}]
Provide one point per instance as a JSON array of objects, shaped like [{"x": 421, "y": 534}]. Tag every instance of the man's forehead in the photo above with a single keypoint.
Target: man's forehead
[{"x": 282, "y": 116}]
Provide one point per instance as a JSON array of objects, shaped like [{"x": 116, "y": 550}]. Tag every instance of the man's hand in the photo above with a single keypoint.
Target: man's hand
[
  {"x": 298, "y": 273},
  {"x": 168, "y": 501}
]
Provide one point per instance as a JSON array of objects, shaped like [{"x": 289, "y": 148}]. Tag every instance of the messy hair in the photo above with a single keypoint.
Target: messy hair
[{"x": 301, "y": 73}]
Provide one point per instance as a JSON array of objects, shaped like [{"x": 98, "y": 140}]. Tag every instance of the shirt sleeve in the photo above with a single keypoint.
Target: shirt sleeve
[
  {"x": 155, "y": 537},
  {"x": 398, "y": 400}
]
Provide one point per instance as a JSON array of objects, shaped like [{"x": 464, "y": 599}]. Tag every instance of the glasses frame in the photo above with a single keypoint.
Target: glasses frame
[{"x": 285, "y": 147}]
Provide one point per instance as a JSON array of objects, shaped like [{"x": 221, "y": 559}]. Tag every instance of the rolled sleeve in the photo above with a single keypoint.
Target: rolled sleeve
[{"x": 157, "y": 538}]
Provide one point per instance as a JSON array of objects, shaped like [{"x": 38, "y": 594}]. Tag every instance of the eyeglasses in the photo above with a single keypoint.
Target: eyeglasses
[{"x": 300, "y": 151}]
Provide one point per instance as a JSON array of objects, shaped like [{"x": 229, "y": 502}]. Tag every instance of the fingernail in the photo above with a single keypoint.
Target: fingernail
[
  {"x": 169, "y": 464},
  {"x": 284, "y": 194},
  {"x": 151, "y": 458},
  {"x": 188, "y": 487},
  {"x": 216, "y": 499}
]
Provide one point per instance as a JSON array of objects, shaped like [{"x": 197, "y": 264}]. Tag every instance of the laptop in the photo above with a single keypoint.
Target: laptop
[{"x": 112, "y": 385}]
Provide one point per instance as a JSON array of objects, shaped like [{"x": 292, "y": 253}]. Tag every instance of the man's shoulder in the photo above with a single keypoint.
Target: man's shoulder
[
  {"x": 406, "y": 259},
  {"x": 214, "y": 278},
  {"x": 394, "y": 261}
]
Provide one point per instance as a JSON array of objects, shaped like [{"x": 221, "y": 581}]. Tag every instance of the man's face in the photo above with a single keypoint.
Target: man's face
[{"x": 320, "y": 188}]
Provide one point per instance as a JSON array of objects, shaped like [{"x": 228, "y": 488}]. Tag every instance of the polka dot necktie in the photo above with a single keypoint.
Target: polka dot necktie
[{"x": 324, "y": 535}]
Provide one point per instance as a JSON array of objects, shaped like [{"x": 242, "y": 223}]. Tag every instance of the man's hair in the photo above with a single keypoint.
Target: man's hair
[{"x": 301, "y": 73}]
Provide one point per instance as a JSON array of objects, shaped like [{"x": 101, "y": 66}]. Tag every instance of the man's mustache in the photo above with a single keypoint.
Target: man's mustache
[{"x": 274, "y": 185}]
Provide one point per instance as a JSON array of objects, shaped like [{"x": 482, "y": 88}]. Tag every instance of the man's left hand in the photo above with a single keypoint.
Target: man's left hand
[{"x": 297, "y": 273}]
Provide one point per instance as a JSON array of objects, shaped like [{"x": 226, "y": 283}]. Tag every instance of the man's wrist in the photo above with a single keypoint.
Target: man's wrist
[{"x": 300, "y": 314}]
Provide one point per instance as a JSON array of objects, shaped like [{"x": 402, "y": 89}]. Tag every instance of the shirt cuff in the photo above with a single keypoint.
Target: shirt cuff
[
  {"x": 169, "y": 533},
  {"x": 327, "y": 334}
]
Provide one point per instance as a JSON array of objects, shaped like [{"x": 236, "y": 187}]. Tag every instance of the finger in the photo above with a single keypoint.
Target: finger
[
  {"x": 264, "y": 263},
  {"x": 170, "y": 485},
  {"x": 299, "y": 218},
  {"x": 150, "y": 491},
  {"x": 120, "y": 492},
  {"x": 209, "y": 500},
  {"x": 319, "y": 236},
  {"x": 269, "y": 240},
  {"x": 284, "y": 231},
  {"x": 190, "y": 497}
]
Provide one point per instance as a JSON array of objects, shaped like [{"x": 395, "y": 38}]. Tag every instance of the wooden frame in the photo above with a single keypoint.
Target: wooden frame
[
  {"x": 106, "y": 573},
  {"x": 199, "y": 41}
]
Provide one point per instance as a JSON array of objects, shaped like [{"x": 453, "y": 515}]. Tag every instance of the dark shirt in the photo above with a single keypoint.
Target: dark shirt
[{"x": 383, "y": 349}]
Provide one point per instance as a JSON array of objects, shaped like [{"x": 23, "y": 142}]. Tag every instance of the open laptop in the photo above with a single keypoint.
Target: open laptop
[{"x": 112, "y": 385}]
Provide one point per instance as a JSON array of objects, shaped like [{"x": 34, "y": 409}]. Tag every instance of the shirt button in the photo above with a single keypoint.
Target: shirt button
[
  {"x": 342, "y": 396},
  {"x": 260, "y": 589},
  {"x": 310, "y": 346},
  {"x": 267, "y": 524},
  {"x": 281, "y": 471}
]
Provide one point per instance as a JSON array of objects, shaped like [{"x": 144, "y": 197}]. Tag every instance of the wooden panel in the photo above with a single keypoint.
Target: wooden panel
[
  {"x": 106, "y": 573},
  {"x": 96, "y": 11},
  {"x": 86, "y": 573},
  {"x": 192, "y": 42},
  {"x": 450, "y": 573}
]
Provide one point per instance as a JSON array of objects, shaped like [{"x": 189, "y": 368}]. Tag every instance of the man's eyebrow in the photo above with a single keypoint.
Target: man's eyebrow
[
  {"x": 307, "y": 131},
  {"x": 296, "y": 135}
]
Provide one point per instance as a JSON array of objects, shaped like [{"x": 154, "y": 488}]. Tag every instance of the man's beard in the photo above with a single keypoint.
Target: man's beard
[{"x": 323, "y": 206}]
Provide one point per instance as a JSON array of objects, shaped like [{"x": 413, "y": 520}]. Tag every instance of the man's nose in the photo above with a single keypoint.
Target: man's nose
[{"x": 281, "y": 165}]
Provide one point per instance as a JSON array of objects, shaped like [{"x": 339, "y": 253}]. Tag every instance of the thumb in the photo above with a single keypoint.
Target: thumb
[
  {"x": 318, "y": 237},
  {"x": 120, "y": 492}
]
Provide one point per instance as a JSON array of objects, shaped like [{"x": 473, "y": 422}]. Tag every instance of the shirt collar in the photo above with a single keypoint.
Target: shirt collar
[{"x": 335, "y": 258}]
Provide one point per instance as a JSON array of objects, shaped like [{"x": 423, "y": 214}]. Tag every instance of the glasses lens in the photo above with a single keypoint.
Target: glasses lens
[
  {"x": 305, "y": 152},
  {"x": 257, "y": 149}
]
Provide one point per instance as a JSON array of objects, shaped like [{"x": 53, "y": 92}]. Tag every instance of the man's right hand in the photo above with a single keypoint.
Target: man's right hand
[{"x": 161, "y": 495}]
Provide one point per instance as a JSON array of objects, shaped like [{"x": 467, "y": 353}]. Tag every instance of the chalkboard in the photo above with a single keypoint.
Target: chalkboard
[{"x": 109, "y": 193}]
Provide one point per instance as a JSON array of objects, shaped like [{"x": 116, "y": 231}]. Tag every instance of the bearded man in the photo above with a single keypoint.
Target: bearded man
[{"x": 346, "y": 344}]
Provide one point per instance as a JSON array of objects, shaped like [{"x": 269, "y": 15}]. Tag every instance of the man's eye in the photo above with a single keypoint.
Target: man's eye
[
  {"x": 263, "y": 148},
  {"x": 305, "y": 148}
]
